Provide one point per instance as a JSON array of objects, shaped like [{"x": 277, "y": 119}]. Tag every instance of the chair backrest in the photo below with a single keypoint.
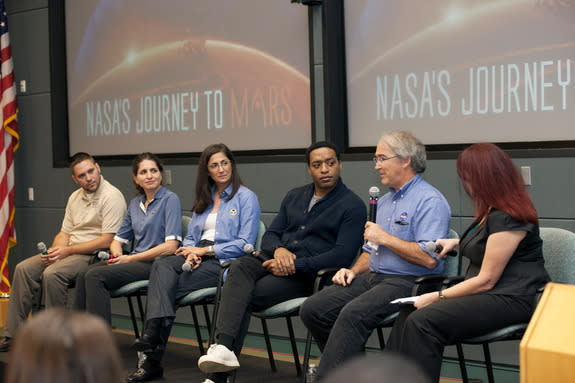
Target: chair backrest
[
  {"x": 559, "y": 254},
  {"x": 452, "y": 266},
  {"x": 185, "y": 223},
  {"x": 261, "y": 232}
]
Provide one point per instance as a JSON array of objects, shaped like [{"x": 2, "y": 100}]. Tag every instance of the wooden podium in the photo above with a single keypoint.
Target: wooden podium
[
  {"x": 3, "y": 310},
  {"x": 547, "y": 350}
]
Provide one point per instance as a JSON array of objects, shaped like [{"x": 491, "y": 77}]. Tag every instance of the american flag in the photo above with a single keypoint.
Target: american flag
[{"x": 8, "y": 144}]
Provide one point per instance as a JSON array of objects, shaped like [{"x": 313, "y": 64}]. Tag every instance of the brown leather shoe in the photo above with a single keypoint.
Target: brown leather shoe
[{"x": 5, "y": 344}]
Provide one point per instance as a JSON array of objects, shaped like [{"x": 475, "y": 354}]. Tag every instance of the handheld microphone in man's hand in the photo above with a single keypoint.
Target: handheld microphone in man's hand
[
  {"x": 374, "y": 194},
  {"x": 250, "y": 250},
  {"x": 433, "y": 247},
  {"x": 41, "y": 246},
  {"x": 105, "y": 255}
]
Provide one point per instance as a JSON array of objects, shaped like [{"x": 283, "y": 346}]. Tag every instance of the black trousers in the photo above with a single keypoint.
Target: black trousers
[
  {"x": 168, "y": 283},
  {"x": 422, "y": 334},
  {"x": 93, "y": 286},
  {"x": 341, "y": 318},
  {"x": 250, "y": 287}
]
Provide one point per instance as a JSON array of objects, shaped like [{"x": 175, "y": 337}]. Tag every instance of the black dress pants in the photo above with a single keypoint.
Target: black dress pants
[
  {"x": 250, "y": 287},
  {"x": 422, "y": 334}
]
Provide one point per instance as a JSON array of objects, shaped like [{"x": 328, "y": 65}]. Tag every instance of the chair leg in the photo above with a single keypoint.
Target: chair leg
[
  {"x": 133, "y": 317},
  {"x": 381, "y": 339},
  {"x": 141, "y": 310},
  {"x": 306, "y": 355},
  {"x": 207, "y": 318},
  {"x": 197, "y": 328},
  {"x": 488, "y": 363},
  {"x": 216, "y": 306},
  {"x": 268, "y": 345},
  {"x": 293, "y": 346},
  {"x": 462, "y": 366}
]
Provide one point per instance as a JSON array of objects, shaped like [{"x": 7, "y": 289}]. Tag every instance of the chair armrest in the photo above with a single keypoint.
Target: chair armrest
[
  {"x": 427, "y": 283},
  {"x": 323, "y": 277},
  {"x": 450, "y": 281}
]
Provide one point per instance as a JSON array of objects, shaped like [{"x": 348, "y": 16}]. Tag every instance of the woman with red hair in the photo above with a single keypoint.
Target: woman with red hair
[{"x": 506, "y": 264}]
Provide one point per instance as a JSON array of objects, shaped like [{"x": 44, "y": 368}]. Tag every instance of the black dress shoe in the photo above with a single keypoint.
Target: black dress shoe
[
  {"x": 5, "y": 344},
  {"x": 145, "y": 374},
  {"x": 145, "y": 344}
]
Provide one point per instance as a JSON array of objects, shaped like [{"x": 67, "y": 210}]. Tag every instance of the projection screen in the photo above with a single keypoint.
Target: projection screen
[
  {"x": 173, "y": 76},
  {"x": 461, "y": 71}
]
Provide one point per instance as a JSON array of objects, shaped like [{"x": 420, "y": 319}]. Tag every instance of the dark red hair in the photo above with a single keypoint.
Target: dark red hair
[{"x": 493, "y": 181}]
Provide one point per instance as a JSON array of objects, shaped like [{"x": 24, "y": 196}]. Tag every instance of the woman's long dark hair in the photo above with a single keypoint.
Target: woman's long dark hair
[{"x": 204, "y": 182}]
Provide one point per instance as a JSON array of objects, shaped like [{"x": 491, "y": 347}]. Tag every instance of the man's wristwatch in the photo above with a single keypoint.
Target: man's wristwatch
[{"x": 441, "y": 296}]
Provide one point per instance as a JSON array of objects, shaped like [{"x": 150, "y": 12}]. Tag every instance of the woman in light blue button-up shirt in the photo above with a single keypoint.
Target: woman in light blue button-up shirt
[
  {"x": 225, "y": 217},
  {"x": 152, "y": 224}
]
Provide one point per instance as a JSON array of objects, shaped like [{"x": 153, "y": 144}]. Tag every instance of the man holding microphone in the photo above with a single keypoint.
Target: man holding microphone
[{"x": 341, "y": 317}]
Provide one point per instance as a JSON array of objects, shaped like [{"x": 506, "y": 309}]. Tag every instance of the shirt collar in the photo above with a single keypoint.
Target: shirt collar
[
  {"x": 159, "y": 194},
  {"x": 405, "y": 188},
  {"x": 227, "y": 191}
]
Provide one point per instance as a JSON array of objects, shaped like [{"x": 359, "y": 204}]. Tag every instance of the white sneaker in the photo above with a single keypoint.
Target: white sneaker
[
  {"x": 218, "y": 359},
  {"x": 208, "y": 381}
]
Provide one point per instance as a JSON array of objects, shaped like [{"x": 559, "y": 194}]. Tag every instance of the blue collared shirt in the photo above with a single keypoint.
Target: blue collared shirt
[
  {"x": 237, "y": 223},
  {"x": 160, "y": 222},
  {"x": 417, "y": 212}
]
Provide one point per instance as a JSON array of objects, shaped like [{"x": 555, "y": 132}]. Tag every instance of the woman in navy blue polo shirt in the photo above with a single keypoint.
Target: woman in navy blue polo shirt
[
  {"x": 153, "y": 223},
  {"x": 225, "y": 217}
]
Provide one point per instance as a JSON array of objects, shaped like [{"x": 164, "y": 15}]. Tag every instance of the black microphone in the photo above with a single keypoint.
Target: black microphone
[
  {"x": 250, "y": 250},
  {"x": 374, "y": 194},
  {"x": 433, "y": 247},
  {"x": 41, "y": 246}
]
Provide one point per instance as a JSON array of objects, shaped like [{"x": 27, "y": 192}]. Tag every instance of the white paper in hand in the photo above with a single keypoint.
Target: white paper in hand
[{"x": 405, "y": 301}]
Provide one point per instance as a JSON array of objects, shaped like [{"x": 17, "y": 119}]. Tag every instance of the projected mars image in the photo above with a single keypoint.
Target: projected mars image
[{"x": 175, "y": 86}]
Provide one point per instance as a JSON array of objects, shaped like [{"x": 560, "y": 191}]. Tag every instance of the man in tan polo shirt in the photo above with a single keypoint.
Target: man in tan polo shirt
[{"x": 94, "y": 213}]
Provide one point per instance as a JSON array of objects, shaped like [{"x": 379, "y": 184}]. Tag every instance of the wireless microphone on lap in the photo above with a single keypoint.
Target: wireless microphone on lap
[
  {"x": 250, "y": 250},
  {"x": 41, "y": 246},
  {"x": 104, "y": 255}
]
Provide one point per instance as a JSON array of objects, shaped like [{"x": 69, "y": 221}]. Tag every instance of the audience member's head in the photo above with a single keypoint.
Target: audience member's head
[
  {"x": 385, "y": 367},
  {"x": 61, "y": 346}
]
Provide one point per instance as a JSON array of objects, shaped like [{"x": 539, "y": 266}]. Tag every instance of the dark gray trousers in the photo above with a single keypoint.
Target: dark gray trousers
[
  {"x": 422, "y": 334},
  {"x": 341, "y": 319}
]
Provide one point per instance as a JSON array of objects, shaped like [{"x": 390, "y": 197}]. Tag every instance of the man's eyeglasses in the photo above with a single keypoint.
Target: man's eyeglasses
[
  {"x": 223, "y": 164},
  {"x": 330, "y": 162},
  {"x": 380, "y": 160}
]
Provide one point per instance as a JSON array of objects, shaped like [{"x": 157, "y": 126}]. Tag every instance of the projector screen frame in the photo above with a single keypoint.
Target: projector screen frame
[{"x": 59, "y": 106}]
